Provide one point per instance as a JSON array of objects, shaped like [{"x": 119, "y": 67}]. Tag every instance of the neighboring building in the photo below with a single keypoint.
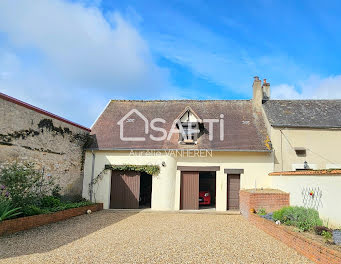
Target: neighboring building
[
  {"x": 54, "y": 144},
  {"x": 305, "y": 133}
]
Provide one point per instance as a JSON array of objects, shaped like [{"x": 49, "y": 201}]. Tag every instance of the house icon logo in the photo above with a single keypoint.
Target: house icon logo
[{"x": 126, "y": 119}]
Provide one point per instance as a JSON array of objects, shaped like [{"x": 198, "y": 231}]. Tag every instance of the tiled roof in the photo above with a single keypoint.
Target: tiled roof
[
  {"x": 244, "y": 129},
  {"x": 304, "y": 113}
]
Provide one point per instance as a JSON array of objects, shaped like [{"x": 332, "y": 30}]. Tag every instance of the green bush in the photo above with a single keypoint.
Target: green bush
[
  {"x": 33, "y": 210},
  {"x": 66, "y": 206},
  {"x": 49, "y": 202},
  {"x": 303, "y": 218},
  {"x": 24, "y": 184},
  {"x": 261, "y": 211},
  {"x": 72, "y": 198},
  {"x": 319, "y": 229},
  {"x": 327, "y": 235}
]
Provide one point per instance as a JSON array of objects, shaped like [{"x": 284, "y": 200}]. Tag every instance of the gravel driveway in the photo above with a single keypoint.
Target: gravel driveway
[{"x": 127, "y": 237}]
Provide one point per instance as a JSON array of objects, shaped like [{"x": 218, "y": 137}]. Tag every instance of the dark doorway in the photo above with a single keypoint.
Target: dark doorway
[
  {"x": 189, "y": 190},
  {"x": 125, "y": 188},
  {"x": 207, "y": 189},
  {"x": 145, "y": 190},
  {"x": 233, "y": 188}
]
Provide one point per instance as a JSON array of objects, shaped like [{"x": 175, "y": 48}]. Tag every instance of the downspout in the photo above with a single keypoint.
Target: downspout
[{"x": 92, "y": 174}]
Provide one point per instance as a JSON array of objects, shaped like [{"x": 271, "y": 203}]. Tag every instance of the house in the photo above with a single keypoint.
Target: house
[
  {"x": 215, "y": 146},
  {"x": 219, "y": 146},
  {"x": 304, "y": 133}
]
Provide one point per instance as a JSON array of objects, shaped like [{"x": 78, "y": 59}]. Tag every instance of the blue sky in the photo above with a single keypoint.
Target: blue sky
[{"x": 71, "y": 57}]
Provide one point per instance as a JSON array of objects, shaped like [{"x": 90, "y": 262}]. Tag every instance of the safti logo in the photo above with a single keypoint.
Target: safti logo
[{"x": 188, "y": 130}]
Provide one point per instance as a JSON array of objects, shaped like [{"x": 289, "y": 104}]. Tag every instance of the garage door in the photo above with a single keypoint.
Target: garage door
[
  {"x": 233, "y": 187},
  {"x": 189, "y": 194},
  {"x": 125, "y": 190}
]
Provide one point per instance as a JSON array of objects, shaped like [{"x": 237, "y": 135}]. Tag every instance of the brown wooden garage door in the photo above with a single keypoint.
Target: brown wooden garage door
[
  {"x": 189, "y": 194},
  {"x": 125, "y": 190},
  {"x": 233, "y": 187}
]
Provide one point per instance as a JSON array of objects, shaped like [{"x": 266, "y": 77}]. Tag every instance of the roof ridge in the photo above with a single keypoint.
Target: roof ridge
[
  {"x": 40, "y": 110},
  {"x": 296, "y": 100},
  {"x": 181, "y": 100}
]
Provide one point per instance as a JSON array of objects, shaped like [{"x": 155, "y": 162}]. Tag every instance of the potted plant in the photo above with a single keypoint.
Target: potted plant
[{"x": 337, "y": 236}]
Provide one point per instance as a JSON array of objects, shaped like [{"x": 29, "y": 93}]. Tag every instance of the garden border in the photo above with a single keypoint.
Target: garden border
[
  {"x": 28, "y": 222},
  {"x": 306, "y": 247}
]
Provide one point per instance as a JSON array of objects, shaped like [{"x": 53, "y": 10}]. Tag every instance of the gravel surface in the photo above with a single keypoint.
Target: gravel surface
[{"x": 128, "y": 237}]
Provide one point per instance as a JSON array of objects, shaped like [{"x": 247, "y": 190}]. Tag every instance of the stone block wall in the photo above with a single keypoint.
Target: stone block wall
[{"x": 55, "y": 145}]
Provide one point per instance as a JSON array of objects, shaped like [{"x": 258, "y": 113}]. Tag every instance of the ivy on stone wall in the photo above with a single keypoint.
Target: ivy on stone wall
[
  {"x": 83, "y": 140},
  {"x": 49, "y": 126},
  {"x": 23, "y": 134}
]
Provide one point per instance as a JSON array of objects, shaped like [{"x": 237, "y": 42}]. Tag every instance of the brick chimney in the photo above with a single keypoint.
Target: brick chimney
[
  {"x": 266, "y": 91},
  {"x": 261, "y": 92},
  {"x": 257, "y": 92}
]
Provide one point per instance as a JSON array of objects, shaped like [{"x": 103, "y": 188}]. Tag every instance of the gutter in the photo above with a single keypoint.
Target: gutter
[
  {"x": 142, "y": 149},
  {"x": 92, "y": 174}
]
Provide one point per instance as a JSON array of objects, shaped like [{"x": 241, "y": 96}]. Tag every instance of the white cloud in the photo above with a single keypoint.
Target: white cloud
[
  {"x": 60, "y": 51},
  {"x": 314, "y": 87}
]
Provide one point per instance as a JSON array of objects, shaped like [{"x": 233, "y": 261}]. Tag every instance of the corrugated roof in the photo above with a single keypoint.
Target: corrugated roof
[
  {"x": 304, "y": 113},
  {"x": 244, "y": 129}
]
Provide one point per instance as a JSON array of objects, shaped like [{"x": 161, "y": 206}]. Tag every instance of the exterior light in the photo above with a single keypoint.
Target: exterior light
[{"x": 306, "y": 165}]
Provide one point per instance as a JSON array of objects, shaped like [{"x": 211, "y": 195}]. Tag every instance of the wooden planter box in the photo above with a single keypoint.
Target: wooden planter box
[
  {"x": 306, "y": 247},
  {"x": 28, "y": 222}
]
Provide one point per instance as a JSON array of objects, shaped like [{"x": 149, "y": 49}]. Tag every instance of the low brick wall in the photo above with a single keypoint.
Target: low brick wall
[
  {"x": 24, "y": 223},
  {"x": 308, "y": 248},
  {"x": 270, "y": 200}
]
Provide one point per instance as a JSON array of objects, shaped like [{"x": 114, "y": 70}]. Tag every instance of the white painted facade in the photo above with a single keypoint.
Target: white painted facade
[
  {"x": 166, "y": 185},
  {"x": 327, "y": 201}
]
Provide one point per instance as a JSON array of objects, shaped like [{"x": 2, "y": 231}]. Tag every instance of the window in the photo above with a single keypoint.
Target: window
[
  {"x": 301, "y": 152},
  {"x": 190, "y": 126},
  {"x": 189, "y": 132}
]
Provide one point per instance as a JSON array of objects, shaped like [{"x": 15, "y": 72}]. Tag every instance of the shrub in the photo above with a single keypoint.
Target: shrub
[
  {"x": 278, "y": 215},
  {"x": 261, "y": 211},
  {"x": 319, "y": 229},
  {"x": 7, "y": 211},
  {"x": 66, "y": 206},
  {"x": 24, "y": 184},
  {"x": 56, "y": 191},
  {"x": 49, "y": 202},
  {"x": 73, "y": 198},
  {"x": 326, "y": 235},
  {"x": 303, "y": 218},
  {"x": 34, "y": 210}
]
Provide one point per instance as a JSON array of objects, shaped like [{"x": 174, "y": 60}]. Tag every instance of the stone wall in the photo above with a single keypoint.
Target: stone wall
[{"x": 55, "y": 145}]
